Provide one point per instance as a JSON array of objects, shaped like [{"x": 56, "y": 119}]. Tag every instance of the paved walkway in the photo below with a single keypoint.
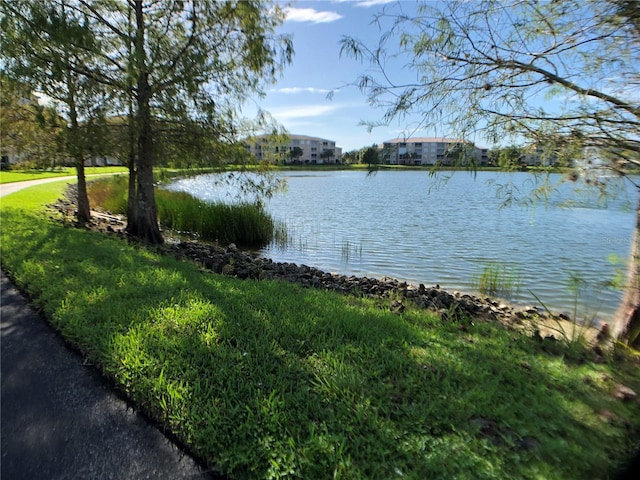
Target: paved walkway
[
  {"x": 60, "y": 420},
  {"x": 8, "y": 188}
]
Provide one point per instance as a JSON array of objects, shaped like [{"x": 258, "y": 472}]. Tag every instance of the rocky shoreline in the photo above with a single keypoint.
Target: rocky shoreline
[{"x": 232, "y": 261}]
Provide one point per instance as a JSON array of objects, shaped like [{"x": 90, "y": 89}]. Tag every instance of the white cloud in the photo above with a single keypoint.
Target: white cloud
[
  {"x": 372, "y": 3},
  {"x": 304, "y": 124},
  {"x": 366, "y": 3},
  {"x": 294, "y": 90},
  {"x": 311, "y": 15},
  {"x": 302, "y": 111}
]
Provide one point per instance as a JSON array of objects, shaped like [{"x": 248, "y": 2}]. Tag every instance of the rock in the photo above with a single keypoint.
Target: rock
[
  {"x": 604, "y": 334},
  {"x": 606, "y": 416},
  {"x": 230, "y": 260},
  {"x": 622, "y": 392},
  {"x": 527, "y": 443},
  {"x": 397, "y": 307}
]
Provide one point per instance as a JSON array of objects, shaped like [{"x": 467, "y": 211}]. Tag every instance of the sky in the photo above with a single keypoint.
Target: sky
[
  {"x": 299, "y": 103},
  {"x": 299, "y": 99}
]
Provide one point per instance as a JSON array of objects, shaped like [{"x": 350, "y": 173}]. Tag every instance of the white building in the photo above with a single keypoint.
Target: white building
[
  {"x": 297, "y": 149},
  {"x": 429, "y": 151}
]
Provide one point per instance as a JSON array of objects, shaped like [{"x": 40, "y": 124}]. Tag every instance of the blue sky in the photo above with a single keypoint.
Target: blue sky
[{"x": 299, "y": 100}]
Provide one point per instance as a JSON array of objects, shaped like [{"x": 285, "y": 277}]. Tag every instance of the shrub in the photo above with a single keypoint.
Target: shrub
[
  {"x": 246, "y": 224},
  {"x": 109, "y": 193}
]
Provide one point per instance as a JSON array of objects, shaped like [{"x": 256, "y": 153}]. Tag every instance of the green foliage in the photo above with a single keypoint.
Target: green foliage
[
  {"x": 295, "y": 153},
  {"x": 245, "y": 224},
  {"x": 265, "y": 379},
  {"x": 498, "y": 280},
  {"x": 370, "y": 156},
  {"x": 484, "y": 66},
  {"x": 509, "y": 157},
  {"x": 28, "y": 129},
  {"x": 206, "y": 56},
  {"x": 109, "y": 194}
]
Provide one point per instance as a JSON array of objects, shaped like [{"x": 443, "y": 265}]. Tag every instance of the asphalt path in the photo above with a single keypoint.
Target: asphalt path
[
  {"x": 8, "y": 188},
  {"x": 59, "y": 418}
]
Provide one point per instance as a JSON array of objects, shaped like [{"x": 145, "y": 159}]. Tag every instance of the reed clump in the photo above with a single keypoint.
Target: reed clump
[
  {"x": 246, "y": 224},
  {"x": 498, "y": 280}
]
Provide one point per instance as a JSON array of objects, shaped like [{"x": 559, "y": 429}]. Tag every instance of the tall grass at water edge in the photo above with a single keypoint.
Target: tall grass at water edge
[
  {"x": 498, "y": 280},
  {"x": 245, "y": 224}
]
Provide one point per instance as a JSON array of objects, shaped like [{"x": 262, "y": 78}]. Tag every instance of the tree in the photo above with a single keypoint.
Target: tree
[
  {"x": 370, "y": 156},
  {"x": 327, "y": 154},
  {"x": 351, "y": 157},
  {"x": 195, "y": 63},
  {"x": 29, "y": 130},
  {"x": 509, "y": 157},
  {"x": 178, "y": 71},
  {"x": 563, "y": 74},
  {"x": 295, "y": 153},
  {"x": 43, "y": 43}
]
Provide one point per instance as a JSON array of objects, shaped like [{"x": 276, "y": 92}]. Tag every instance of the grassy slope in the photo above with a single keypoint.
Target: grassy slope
[{"x": 264, "y": 379}]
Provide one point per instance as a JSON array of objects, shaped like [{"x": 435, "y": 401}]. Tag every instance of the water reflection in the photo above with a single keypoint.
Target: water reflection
[{"x": 401, "y": 224}]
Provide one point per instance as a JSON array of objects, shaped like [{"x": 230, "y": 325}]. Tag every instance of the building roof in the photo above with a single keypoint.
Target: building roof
[
  {"x": 293, "y": 136},
  {"x": 307, "y": 137},
  {"x": 426, "y": 140}
]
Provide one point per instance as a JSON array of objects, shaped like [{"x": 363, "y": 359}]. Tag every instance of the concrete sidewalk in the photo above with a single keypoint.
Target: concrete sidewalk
[{"x": 59, "y": 419}]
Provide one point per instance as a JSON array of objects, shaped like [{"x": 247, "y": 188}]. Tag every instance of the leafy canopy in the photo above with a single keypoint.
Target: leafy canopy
[{"x": 565, "y": 71}]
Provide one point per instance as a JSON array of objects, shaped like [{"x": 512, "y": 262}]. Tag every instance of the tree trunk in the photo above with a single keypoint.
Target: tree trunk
[
  {"x": 84, "y": 210},
  {"x": 628, "y": 316},
  {"x": 144, "y": 225},
  {"x": 83, "y": 214},
  {"x": 133, "y": 179}
]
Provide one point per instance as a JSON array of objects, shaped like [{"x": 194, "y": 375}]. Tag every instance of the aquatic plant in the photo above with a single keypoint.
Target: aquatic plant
[{"x": 498, "y": 280}]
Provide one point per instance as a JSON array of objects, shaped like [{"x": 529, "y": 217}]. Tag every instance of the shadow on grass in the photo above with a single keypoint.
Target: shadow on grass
[{"x": 268, "y": 379}]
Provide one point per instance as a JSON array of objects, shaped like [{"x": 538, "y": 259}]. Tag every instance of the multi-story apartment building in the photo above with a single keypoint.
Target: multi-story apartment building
[
  {"x": 297, "y": 149},
  {"x": 536, "y": 155},
  {"x": 429, "y": 151}
]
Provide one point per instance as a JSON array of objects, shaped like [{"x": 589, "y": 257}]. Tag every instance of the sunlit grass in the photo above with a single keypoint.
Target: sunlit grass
[
  {"x": 34, "y": 199},
  {"x": 23, "y": 175},
  {"x": 266, "y": 379}
]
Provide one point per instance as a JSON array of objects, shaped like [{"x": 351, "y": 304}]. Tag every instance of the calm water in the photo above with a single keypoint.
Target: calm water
[{"x": 404, "y": 224}]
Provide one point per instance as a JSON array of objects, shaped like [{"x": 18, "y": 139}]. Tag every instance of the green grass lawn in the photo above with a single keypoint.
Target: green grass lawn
[
  {"x": 265, "y": 379},
  {"x": 23, "y": 175}
]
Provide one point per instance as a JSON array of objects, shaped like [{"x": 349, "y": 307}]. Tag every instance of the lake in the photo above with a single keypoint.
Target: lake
[{"x": 420, "y": 229}]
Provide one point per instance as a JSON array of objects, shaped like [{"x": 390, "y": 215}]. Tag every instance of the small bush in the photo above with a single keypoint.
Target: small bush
[
  {"x": 109, "y": 193},
  {"x": 245, "y": 224}
]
